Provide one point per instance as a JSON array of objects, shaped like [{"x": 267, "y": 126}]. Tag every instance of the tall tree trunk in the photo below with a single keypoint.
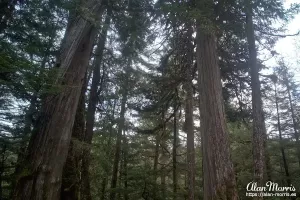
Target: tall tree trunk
[
  {"x": 121, "y": 124},
  {"x": 93, "y": 101},
  {"x": 219, "y": 176},
  {"x": 285, "y": 164},
  {"x": 71, "y": 175},
  {"x": 163, "y": 156},
  {"x": 155, "y": 164},
  {"x": 108, "y": 154},
  {"x": 121, "y": 171},
  {"x": 259, "y": 130},
  {"x": 189, "y": 121},
  {"x": 125, "y": 151},
  {"x": 163, "y": 171},
  {"x": 296, "y": 133},
  {"x": 48, "y": 148},
  {"x": 174, "y": 154}
]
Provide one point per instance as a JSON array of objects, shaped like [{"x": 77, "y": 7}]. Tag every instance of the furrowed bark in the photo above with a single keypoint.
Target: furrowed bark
[
  {"x": 41, "y": 176},
  {"x": 219, "y": 177},
  {"x": 70, "y": 189},
  {"x": 259, "y": 130},
  {"x": 93, "y": 101}
]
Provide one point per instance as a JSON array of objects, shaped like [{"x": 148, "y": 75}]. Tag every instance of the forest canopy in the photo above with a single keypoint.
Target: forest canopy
[{"x": 148, "y": 100}]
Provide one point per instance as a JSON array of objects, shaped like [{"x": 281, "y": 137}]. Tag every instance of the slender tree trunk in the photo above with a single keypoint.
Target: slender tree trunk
[
  {"x": 296, "y": 133},
  {"x": 285, "y": 164},
  {"x": 155, "y": 164},
  {"x": 121, "y": 171},
  {"x": 219, "y": 176},
  {"x": 108, "y": 153},
  {"x": 93, "y": 101},
  {"x": 41, "y": 176},
  {"x": 70, "y": 189},
  {"x": 175, "y": 154},
  {"x": 259, "y": 130},
  {"x": 189, "y": 121},
  {"x": 163, "y": 171},
  {"x": 163, "y": 156},
  {"x": 125, "y": 151},
  {"x": 121, "y": 124}
]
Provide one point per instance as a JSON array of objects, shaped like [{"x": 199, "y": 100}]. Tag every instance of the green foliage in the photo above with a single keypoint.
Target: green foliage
[{"x": 146, "y": 53}]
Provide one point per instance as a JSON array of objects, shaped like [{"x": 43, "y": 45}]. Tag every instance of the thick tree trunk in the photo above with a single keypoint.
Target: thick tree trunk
[
  {"x": 93, "y": 101},
  {"x": 219, "y": 177},
  {"x": 285, "y": 164},
  {"x": 71, "y": 175},
  {"x": 259, "y": 130},
  {"x": 41, "y": 176},
  {"x": 121, "y": 124}
]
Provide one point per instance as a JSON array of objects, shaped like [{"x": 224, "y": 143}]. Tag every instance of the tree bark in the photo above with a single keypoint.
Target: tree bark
[
  {"x": 219, "y": 176},
  {"x": 41, "y": 176},
  {"x": 70, "y": 189},
  {"x": 282, "y": 150},
  {"x": 93, "y": 101},
  {"x": 259, "y": 130}
]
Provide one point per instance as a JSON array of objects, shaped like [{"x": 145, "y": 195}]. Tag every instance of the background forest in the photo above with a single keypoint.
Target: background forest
[{"x": 146, "y": 99}]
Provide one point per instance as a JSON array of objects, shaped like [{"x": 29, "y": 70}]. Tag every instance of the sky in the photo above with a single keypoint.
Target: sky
[{"x": 287, "y": 47}]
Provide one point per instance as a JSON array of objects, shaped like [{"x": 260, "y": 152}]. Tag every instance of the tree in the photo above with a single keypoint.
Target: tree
[
  {"x": 219, "y": 177},
  {"x": 70, "y": 188},
  {"x": 93, "y": 101},
  {"x": 259, "y": 130},
  {"x": 48, "y": 148},
  {"x": 282, "y": 149}
]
